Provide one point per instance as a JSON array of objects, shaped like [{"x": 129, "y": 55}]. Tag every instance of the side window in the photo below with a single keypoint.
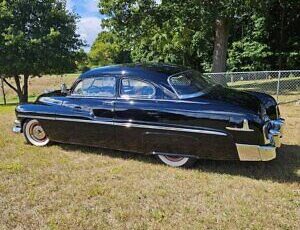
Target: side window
[
  {"x": 136, "y": 88},
  {"x": 96, "y": 87}
]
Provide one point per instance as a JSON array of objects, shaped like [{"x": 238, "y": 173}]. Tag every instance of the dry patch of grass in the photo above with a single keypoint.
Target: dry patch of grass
[
  {"x": 38, "y": 85},
  {"x": 74, "y": 187}
]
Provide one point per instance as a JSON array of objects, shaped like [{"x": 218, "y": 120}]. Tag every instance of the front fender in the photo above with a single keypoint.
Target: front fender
[{"x": 25, "y": 111}]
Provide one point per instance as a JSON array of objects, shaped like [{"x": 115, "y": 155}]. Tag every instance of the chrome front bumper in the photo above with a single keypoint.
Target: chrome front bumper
[
  {"x": 17, "y": 128},
  {"x": 266, "y": 152}
]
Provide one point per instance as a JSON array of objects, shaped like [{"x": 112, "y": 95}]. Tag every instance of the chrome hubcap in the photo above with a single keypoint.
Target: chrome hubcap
[{"x": 37, "y": 132}]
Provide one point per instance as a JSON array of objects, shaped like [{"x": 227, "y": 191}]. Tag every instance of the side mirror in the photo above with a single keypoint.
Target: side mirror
[{"x": 63, "y": 89}]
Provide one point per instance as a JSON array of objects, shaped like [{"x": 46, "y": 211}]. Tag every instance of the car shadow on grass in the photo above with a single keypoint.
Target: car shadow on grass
[
  {"x": 109, "y": 152},
  {"x": 283, "y": 169}
]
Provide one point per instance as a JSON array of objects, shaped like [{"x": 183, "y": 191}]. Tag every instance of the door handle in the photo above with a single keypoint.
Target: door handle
[
  {"x": 77, "y": 107},
  {"x": 153, "y": 113}
]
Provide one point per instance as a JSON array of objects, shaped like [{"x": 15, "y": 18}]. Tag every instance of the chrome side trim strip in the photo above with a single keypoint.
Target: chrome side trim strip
[
  {"x": 174, "y": 154},
  {"x": 140, "y": 99},
  {"x": 172, "y": 129},
  {"x": 129, "y": 125}
]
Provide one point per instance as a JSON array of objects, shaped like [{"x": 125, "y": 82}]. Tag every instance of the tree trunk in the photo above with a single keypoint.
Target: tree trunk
[
  {"x": 22, "y": 98},
  {"x": 3, "y": 91},
  {"x": 281, "y": 41},
  {"x": 25, "y": 89},
  {"x": 22, "y": 92},
  {"x": 220, "y": 45}
]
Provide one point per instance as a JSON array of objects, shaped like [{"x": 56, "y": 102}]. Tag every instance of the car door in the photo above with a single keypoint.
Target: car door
[
  {"x": 86, "y": 116},
  {"x": 135, "y": 110},
  {"x": 147, "y": 123}
]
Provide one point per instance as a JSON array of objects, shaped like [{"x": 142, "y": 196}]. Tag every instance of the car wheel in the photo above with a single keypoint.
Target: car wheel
[
  {"x": 34, "y": 133},
  {"x": 177, "y": 161}
]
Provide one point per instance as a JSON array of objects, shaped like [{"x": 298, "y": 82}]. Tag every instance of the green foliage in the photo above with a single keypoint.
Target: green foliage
[
  {"x": 251, "y": 52},
  {"x": 283, "y": 29},
  {"x": 82, "y": 63},
  {"x": 36, "y": 37},
  {"x": 263, "y": 34},
  {"x": 106, "y": 50},
  {"x": 170, "y": 32}
]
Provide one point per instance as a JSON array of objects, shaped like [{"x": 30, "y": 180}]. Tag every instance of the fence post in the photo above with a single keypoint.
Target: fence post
[
  {"x": 3, "y": 92},
  {"x": 278, "y": 85}
]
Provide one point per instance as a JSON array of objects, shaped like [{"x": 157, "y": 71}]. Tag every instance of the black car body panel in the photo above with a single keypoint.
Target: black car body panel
[{"x": 206, "y": 126}]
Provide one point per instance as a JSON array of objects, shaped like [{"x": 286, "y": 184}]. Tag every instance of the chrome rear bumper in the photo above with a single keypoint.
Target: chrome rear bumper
[
  {"x": 266, "y": 152},
  {"x": 256, "y": 152}
]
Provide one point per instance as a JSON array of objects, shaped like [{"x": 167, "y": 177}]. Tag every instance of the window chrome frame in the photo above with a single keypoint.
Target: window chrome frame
[
  {"x": 93, "y": 96},
  {"x": 183, "y": 96},
  {"x": 150, "y": 97}
]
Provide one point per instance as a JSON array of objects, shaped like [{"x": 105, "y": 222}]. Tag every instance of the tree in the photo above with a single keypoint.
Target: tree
[
  {"x": 191, "y": 33},
  {"x": 82, "y": 63},
  {"x": 267, "y": 37},
  {"x": 224, "y": 14},
  {"x": 3, "y": 91},
  {"x": 220, "y": 45},
  {"x": 251, "y": 52},
  {"x": 36, "y": 37},
  {"x": 283, "y": 32},
  {"x": 172, "y": 32},
  {"x": 202, "y": 34},
  {"x": 106, "y": 50}
]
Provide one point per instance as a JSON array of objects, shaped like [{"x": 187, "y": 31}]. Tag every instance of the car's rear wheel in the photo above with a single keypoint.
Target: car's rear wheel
[
  {"x": 177, "y": 161},
  {"x": 34, "y": 133}
]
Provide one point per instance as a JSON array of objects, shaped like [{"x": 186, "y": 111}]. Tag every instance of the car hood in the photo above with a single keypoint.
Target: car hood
[
  {"x": 55, "y": 93},
  {"x": 234, "y": 97}
]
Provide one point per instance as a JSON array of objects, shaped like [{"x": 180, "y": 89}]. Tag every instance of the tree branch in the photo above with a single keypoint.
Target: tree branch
[
  {"x": 10, "y": 85},
  {"x": 17, "y": 80}
]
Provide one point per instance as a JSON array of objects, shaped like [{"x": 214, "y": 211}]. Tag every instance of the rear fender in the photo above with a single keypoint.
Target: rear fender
[{"x": 195, "y": 145}]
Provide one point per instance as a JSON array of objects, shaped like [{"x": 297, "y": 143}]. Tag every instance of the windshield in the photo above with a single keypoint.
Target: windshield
[{"x": 190, "y": 84}]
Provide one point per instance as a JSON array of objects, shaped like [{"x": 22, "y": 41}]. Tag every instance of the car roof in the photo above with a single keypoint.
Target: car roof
[{"x": 156, "y": 72}]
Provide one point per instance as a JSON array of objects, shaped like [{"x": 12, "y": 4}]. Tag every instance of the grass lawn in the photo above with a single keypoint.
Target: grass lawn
[{"x": 74, "y": 187}]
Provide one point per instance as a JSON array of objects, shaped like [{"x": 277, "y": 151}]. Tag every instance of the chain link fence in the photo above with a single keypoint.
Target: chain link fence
[{"x": 284, "y": 86}]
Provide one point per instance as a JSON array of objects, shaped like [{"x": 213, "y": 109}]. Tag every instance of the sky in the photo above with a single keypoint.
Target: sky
[{"x": 89, "y": 24}]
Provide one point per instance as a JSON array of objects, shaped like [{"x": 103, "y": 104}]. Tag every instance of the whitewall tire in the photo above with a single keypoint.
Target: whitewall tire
[
  {"x": 177, "y": 161},
  {"x": 34, "y": 133}
]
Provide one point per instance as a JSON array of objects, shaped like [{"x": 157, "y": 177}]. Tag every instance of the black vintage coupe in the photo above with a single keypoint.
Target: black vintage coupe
[{"x": 172, "y": 112}]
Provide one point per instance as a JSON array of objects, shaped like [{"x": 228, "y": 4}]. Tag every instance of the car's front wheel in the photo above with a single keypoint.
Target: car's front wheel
[
  {"x": 177, "y": 161},
  {"x": 34, "y": 133}
]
